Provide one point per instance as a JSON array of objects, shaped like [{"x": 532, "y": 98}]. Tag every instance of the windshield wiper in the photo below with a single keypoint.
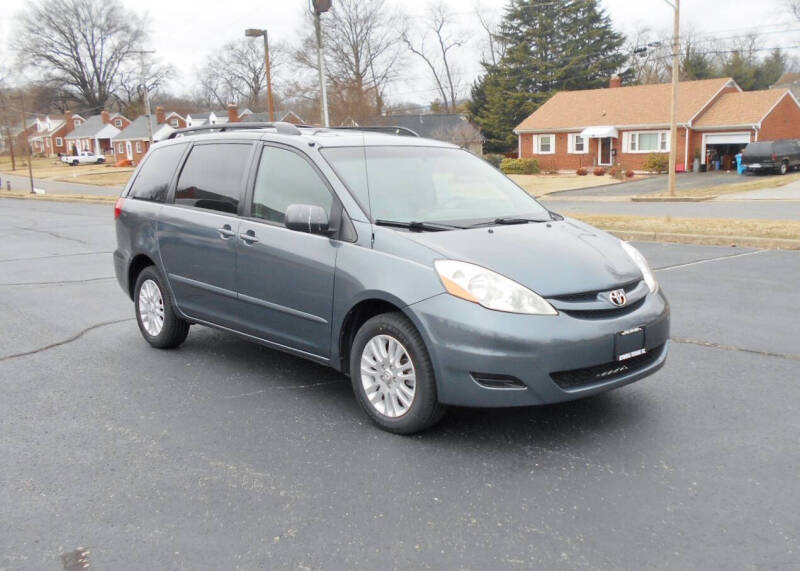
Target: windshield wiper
[
  {"x": 417, "y": 226},
  {"x": 507, "y": 220}
]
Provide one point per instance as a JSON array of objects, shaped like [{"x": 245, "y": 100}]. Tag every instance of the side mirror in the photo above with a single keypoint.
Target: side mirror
[{"x": 307, "y": 218}]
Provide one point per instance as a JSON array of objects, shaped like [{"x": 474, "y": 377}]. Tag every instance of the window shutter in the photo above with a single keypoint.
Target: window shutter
[
  {"x": 571, "y": 143},
  {"x": 626, "y": 142}
]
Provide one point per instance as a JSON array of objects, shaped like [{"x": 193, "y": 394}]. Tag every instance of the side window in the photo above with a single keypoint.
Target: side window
[
  {"x": 212, "y": 177},
  {"x": 153, "y": 180},
  {"x": 284, "y": 178}
]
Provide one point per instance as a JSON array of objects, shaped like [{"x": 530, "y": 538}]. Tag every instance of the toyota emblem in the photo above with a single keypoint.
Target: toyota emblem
[{"x": 618, "y": 297}]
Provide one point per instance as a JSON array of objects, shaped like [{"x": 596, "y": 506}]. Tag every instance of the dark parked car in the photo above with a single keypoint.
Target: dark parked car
[
  {"x": 773, "y": 156},
  {"x": 410, "y": 265}
]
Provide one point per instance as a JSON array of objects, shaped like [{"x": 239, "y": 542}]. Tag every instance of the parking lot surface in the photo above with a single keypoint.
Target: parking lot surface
[{"x": 226, "y": 455}]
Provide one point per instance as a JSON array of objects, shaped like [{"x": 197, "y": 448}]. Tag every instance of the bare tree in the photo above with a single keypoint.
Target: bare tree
[
  {"x": 361, "y": 57},
  {"x": 80, "y": 44},
  {"x": 494, "y": 48},
  {"x": 235, "y": 73},
  {"x": 138, "y": 77},
  {"x": 648, "y": 60},
  {"x": 439, "y": 60},
  {"x": 794, "y": 7}
]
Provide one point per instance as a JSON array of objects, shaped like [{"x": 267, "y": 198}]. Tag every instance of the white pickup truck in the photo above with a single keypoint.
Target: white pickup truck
[{"x": 83, "y": 158}]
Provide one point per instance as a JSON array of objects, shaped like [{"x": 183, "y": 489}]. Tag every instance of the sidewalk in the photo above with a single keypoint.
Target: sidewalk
[{"x": 22, "y": 184}]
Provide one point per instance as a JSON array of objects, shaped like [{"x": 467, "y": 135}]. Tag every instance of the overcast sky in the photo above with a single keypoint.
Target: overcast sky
[{"x": 184, "y": 32}]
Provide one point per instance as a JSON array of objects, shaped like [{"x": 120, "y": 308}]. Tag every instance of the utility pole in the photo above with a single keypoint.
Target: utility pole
[
  {"x": 321, "y": 6},
  {"x": 254, "y": 33},
  {"x": 673, "y": 137},
  {"x": 30, "y": 157},
  {"x": 144, "y": 87}
]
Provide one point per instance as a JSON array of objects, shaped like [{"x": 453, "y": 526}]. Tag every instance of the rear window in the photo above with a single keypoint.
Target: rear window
[
  {"x": 152, "y": 182},
  {"x": 213, "y": 177},
  {"x": 763, "y": 148}
]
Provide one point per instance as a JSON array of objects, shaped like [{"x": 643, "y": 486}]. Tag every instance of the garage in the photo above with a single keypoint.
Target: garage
[{"x": 720, "y": 149}]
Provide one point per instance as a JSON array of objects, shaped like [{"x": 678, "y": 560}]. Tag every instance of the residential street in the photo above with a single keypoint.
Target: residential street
[{"x": 224, "y": 454}]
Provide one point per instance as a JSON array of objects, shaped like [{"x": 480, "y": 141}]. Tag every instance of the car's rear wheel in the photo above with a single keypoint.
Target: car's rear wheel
[
  {"x": 392, "y": 375},
  {"x": 784, "y": 167},
  {"x": 155, "y": 314},
  {"x": 74, "y": 163}
]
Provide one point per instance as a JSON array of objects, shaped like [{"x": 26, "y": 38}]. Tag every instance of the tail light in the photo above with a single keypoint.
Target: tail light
[
  {"x": 774, "y": 157},
  {"x": 118, "y": 207}
]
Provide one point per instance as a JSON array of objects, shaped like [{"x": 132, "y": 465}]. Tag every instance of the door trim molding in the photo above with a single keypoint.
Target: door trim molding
[
  {"x": 203, "y": 285},
  {"x": 282, "y": 308}
]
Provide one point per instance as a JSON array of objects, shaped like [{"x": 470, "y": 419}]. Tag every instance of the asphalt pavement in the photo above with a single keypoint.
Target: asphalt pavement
[{"x": 223, "y": 454}]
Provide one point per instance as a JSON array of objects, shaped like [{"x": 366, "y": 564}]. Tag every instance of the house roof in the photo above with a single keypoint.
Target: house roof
[
  {"x": 430, "y": 126},
  {"x": 263, "y": 116},
  {"x": 89, "y": 128},
  {"x": 637, "y": 105},
  {"x": 788, "y": 78},
  {"x": 743, "y": 108},
  {"x": 137, "y": 130}
]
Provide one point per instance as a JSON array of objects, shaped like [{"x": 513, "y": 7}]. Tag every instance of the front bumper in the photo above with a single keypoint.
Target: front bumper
[{"x": 466, "y": 340}]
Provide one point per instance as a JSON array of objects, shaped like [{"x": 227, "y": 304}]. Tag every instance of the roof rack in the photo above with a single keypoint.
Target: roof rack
[
  {"x": 281, "y": 127},
  {"x": 388, "y": 129}
]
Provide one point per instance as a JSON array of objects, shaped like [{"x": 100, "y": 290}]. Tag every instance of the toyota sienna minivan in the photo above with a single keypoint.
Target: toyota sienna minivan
[{"x": 410, "y": 265}]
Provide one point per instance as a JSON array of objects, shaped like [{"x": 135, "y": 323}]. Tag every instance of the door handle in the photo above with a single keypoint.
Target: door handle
[
  {"x": 226, "y": 232},
  {"x": 249, "y": 237}
]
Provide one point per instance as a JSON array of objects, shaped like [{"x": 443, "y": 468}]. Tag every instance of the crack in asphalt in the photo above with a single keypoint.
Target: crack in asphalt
[
  {"x": 706, "y": 260},
  {"x": 60, "y": 282},
  {"x": 699, "y": 343},
  {"x": 54, "y": 234},
  {"x": 54, "y": 256},
  {"x": 65, "y": 341}
]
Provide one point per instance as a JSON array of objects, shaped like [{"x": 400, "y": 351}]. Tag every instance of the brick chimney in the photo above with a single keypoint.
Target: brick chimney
[
  {"x": 233, "y": 113},
  {"x": 161, "y": 117},
  {"x": 614, "y": 82},
  {"x": 70, "y": 125},
  {"x": 105, "y": 117}
]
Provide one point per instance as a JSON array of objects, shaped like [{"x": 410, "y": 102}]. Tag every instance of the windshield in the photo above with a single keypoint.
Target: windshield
[{"x": 429, "y": 184}]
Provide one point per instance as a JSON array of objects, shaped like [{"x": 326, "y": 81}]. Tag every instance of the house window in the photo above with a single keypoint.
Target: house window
[
  {"x": 120, "y": 148},
  {"x": 648, "y": 142},
  {"x": 59, "y": 142},
  {"x": 118, "y": 123},
  {"x": 138, "y": 146},
  {"x": 77, "y": 122},
  {"x": 545, "y": 144},
  {"x": 577, "y": 144},
  {"x": 174, "y": 122}
]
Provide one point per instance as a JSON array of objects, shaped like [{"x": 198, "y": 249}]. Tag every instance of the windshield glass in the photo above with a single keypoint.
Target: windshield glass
[{"x": 429, "y": 184}]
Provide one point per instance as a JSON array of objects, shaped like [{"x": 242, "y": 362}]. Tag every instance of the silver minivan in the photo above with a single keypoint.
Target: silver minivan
[{"x": 410, "y": 265}]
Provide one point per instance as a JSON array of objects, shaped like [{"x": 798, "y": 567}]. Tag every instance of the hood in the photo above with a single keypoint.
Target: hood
[{"x": 555, "y": 259}]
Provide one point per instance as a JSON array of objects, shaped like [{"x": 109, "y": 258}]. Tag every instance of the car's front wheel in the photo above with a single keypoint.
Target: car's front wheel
[
  {"x": 784, "y": 167},
  {"x": 155, "y": 314},
  {"x": 392, "y": 375}
]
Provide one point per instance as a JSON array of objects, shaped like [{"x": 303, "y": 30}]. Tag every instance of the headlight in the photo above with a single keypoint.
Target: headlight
[
  {"x": 489, "y": 289},
  {"x": 639, "y": 260}
]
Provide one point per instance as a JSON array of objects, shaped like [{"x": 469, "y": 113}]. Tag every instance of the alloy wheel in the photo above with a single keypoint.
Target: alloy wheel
[
  {"x": 151, "y": 308},
  {"x": 388, "y": 376}
]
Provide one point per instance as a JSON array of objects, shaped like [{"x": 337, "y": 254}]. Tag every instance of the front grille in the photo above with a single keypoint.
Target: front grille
[
  {"x": 577, "y": 378},
  {"x": 604, "y": 313},
  {"x": 588, "y": 296}
]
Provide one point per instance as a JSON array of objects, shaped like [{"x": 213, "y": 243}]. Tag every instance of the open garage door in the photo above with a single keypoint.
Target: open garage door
[{"x": 723, "y": 147}]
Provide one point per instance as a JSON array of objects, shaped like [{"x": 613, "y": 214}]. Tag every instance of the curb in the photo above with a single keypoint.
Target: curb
[
  {"x": 60, "y": 197},
  {"x": 672, "y": 198},
  {"x": 707, "y": 239}
]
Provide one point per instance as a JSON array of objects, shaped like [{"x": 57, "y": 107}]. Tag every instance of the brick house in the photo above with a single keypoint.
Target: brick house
[
  {"x": 96, "y": 132},
  {"x": 48, "y": 138},
  {"x": 215, "y": 117},
  {"x": 624, "y": 125}
]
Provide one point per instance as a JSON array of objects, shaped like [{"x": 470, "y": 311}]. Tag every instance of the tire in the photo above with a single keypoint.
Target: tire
[
  {"x": 390, "y": 408},
  {"x": 172, "y": 330},
  {"x": 784, "y": 168},
  {"x": 100, "y": 161},
  {"x": 74, "y": 163}
]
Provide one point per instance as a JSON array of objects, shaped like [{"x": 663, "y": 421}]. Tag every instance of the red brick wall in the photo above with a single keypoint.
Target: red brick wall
[
  {"x": 123, "y": 155},
  {"x": 782, "y": 123},
  {"x": 564, "y": 161}
]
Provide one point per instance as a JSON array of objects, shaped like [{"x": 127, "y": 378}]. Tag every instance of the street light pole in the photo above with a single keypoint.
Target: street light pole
[
  {"x": 321, "y": 6},
  {"x": 673, "y": 137},
  {"x": 254, "y": 33}
]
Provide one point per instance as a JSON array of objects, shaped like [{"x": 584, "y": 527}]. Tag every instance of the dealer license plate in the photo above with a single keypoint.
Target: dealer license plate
[{"x": 629, "y": 343}]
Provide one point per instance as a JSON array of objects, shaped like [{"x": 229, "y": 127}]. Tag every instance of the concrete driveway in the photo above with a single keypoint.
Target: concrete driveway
[
  {"x": 223, "y": 454},
  {"x": 658, "y": 183}
]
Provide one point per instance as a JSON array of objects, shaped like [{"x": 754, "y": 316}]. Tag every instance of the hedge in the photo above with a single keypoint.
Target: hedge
[{"x": 519, "y": 166}]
